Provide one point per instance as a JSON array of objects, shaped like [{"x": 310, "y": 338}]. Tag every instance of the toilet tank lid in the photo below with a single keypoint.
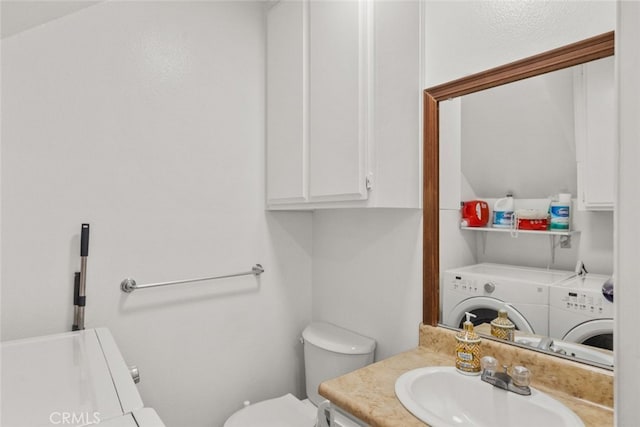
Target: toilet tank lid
[{"x": 339, "y": 340}]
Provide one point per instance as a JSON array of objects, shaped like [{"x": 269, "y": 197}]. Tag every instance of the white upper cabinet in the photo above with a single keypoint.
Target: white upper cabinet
[
  {"x": 595, "y": 134},
  {"x": 287, "y": 110},
  {"x": 339, "y": 60},
  {"x": 343, "y": 104}
]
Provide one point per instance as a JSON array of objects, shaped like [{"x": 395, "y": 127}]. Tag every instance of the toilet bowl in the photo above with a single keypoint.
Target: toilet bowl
[
  {"x": 329, "y": 351},
  {"x": 282, "y": 411}
]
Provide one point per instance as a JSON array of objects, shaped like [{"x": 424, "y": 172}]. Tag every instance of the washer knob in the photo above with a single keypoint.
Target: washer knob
[{"x": 489, "y": 287}]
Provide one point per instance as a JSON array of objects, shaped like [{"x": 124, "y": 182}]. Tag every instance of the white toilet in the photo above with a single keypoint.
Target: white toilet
[{"x": 329, "y": 351}]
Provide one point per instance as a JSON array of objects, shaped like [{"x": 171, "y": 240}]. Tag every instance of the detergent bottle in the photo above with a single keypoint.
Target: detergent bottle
[{"x": 503, "y": 212}]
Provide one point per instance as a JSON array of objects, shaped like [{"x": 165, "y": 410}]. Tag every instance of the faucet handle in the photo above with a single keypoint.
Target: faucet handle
[
  {"x": 489, "y": 364},
  {"x": 521, "y": 376}
]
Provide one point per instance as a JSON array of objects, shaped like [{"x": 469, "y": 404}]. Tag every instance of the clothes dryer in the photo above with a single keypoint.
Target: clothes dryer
[
  {"x": 580, "y": 312},
  {"x": 483, "y": 289}
]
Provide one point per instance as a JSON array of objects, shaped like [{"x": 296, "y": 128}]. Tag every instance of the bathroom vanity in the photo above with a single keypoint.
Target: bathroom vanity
[{"x": 369, "y": 393}]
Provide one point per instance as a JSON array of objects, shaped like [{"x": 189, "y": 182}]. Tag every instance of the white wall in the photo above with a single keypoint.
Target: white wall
[
  {"x": 146, "y": 119},
  {"x": 491, "y": 33},
  {"x": 367, "y": 268},
  {"x": 627, "y": 235}
]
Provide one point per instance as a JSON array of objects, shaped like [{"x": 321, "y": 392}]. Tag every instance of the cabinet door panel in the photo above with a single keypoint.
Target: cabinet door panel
[
  {"x": 595, "y": 135},
  {"x": 287, "y": 118},
  {"x": 337, "y": 40}
]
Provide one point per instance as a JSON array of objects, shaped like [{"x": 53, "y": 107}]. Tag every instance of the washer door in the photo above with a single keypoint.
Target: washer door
[
  {"x": 486, "y": 309},
  {"x": 596, "y": 333}
]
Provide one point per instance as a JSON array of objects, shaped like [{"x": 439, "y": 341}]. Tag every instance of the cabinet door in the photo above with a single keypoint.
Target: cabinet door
[
  {"x": 595, "y": 135},
  {"x": 287, "y": 111},
  {"x": 339, "y": 63}
]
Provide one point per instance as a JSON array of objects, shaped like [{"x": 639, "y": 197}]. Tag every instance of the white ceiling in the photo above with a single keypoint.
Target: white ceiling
[{"x": 20, "y": 15}]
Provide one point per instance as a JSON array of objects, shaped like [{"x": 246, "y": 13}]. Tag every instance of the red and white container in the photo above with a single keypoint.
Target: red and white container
[{"x": 532, "y": 219}]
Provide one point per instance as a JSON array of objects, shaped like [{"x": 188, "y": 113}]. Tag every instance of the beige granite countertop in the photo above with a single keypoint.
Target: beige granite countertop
[{"x": 369, "y": 393}]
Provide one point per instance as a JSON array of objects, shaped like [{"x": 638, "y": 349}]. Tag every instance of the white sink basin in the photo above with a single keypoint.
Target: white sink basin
[
  {"x": 570, "y": 349},
  {"x": 440, "y": 396}
]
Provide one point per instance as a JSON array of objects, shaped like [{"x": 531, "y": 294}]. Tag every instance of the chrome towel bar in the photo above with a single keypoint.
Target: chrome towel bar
[{"x": 130, "y": 285}]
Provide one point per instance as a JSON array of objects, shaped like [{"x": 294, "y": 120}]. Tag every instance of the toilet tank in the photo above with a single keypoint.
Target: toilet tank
[{"x": 331, "y": 351}]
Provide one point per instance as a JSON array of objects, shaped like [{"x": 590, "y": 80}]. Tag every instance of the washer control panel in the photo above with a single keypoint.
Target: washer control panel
[
  {"x": 587, "y": 302},
  {"x": 467, "y": 285},
  {"x": 464, "y": 284}
]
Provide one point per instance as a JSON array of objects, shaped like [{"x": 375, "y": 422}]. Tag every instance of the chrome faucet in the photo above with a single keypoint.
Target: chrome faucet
[{"x": 517, "y": 383}]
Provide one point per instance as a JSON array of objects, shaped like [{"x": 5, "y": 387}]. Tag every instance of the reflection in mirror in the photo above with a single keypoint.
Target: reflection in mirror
[
  {"x": 523, "y": 133},
  {"x": 520, "y": 139},
  {"x": 531, "y": 138}
]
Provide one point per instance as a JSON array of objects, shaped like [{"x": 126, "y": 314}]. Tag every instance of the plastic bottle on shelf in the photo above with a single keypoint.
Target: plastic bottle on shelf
[
  {"x": 560, "y": 212},
  {"x": 503, "y": 212}
]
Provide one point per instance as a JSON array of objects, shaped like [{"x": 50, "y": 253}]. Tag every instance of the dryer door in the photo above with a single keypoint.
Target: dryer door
[
  {"x": 596, "y": 333},
  {"x": 486, "y": 309}
]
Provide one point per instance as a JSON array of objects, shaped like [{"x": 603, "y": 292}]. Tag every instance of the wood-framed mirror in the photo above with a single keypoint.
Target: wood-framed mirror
[{"x": 581, "y": 52}]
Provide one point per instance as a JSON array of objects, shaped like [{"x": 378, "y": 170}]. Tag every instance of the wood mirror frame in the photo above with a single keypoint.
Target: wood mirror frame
[{"x": 567, "y": 56}]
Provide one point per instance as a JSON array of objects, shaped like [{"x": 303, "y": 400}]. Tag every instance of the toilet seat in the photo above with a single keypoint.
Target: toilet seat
[{"x": 284, "y": 411}]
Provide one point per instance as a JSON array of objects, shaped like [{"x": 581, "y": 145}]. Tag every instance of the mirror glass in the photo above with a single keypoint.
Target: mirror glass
[{"x": 535, "y": 139}]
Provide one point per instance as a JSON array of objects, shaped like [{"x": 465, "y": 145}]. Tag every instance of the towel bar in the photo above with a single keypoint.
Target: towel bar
[{"x": 129, "y": 285}]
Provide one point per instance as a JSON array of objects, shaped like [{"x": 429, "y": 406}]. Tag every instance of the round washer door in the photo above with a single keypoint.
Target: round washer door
[
  {"x": 456, "y": 315},
  {"x": 590, "y": 330}
]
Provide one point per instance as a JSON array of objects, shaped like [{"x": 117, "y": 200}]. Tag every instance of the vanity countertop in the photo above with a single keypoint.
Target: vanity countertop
[{"x": 369, "y": 393}]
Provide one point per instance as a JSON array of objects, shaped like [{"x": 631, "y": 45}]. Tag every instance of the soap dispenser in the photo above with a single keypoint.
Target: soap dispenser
[
  {"x": 468, "y": 349},
  {"x": 502, "y": 327}
]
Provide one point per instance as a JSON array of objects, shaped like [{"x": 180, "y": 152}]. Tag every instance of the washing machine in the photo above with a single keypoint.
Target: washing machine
[
  {"x": 483, "y": 289},
  {"x": 72, "y": 379},
  {"x": 580, "y": 312}
]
